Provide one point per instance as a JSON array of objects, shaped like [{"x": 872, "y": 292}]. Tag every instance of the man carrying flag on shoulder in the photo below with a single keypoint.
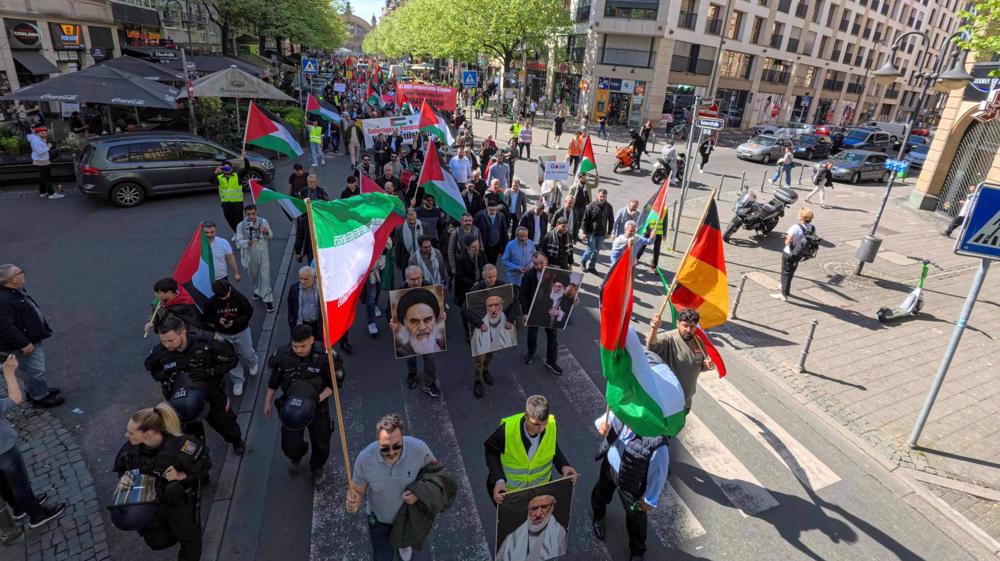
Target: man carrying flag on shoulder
[{"x": 681, "y": 351}]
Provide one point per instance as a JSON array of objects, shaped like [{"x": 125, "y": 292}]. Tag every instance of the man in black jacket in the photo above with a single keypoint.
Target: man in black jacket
[
  {"x": 581, "y": 198},
  {"x": 596, "y": 224},
  {"x": 493, "y": 228},
  {"x": 529, "y": 284},
  {"x": 228, "y": 313},
  {"x": 22, "y": 330},
  {"x": 481, "y": 363},
  {"x": 303, "y": 240}
]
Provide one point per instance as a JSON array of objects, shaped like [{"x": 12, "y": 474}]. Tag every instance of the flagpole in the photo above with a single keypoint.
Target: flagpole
[
  {"x": 673, "y": 283},
  {"x": 329, "y": 348},
  {"x": 247, "y": 127},
  {"x": 159, "y": 303}
]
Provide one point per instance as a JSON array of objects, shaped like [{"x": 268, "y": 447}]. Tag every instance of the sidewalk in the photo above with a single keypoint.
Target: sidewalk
[{"x": 872, "y": 377}]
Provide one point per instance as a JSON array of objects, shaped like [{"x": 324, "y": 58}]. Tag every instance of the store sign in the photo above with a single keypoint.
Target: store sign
[
  {"x": 66, "y": 36},
  {"x": 982, "y": 84},
  {"x": 24, "y": 34},
  {"x": 628, "y": 86},
  {"x": 141, "y": 36}
]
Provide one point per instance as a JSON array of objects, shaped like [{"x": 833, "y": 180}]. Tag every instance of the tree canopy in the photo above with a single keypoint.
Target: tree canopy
[
  {"x": 465, "y": 29},
  {"x": 982, "y": 28},
  {"x": 313, "y": 23}
]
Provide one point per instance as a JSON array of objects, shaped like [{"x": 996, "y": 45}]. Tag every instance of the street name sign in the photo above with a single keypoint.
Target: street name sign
[
  {"x": 710, "y": 123},
  {"x": 980, "y": 235}
]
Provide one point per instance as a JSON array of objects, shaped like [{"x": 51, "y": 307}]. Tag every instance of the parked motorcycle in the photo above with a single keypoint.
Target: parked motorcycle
[
  {"x": 760, "y": 217},
  {"x": 660, "y": 170}
]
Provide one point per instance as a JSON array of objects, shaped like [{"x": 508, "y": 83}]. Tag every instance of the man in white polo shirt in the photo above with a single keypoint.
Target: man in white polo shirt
[{"x": 223, "y": 260}]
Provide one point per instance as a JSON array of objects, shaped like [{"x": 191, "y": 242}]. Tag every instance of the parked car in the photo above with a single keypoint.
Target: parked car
[
  {"x": 895, "y": 130},
  {"x": 917, "y": 156},
  {"x": 763, "y": 148},
  {"x": 786, "y": 130},
  {"x": 914, "y": 141},
  {"x": 866, "y": 138},
  {"x": 829, "y": 130},
  {"x": 126, "y": 168},
  {"x": 811, "y": 146},
  {"x": 855, "y": 166},
  {"x": 921, "y": 131}
]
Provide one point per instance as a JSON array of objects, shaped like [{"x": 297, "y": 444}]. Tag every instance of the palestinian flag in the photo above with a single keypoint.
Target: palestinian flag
[
  {"x": 195, "y": 271},
  {"x": 322, "y": 110},
  {"x": 268, "y": 131},
  {"x": 700, "y": 282},
  {"x": 647, "y": 398},
  {"x": 404, "y": 104},
  {"x": 656, "y": 216},
  {"x": 350, "y": 234},
  {"x": 294, "y": 207},
  {"x": 588, "y": 163},
  {"x": 374, "y": 96},
  {"x": 367, "y": 185},
  {"x": 439, "y": 183},
  {"x": 432, "y": 123}
]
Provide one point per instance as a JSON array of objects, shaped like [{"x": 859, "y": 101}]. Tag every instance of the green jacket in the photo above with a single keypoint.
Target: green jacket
[{"x": 436, "y": 489}]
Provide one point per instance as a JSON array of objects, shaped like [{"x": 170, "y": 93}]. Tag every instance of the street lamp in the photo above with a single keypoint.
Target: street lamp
[
  {"x": 184, "y": 67},
  {"x": 953, "y": 79}
]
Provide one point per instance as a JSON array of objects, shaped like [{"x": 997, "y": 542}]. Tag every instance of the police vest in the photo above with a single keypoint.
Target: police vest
[
  {"x": 230, "y": 190},
  {"x": 634, "y": 469},
  {"x": 315, "y": 134},
  {"x": 293, "y": 368},
  {"x": 519, "y": 471}
]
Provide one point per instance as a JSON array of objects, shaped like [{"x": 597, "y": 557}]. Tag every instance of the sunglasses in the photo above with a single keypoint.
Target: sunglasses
[{"x": 393, "y": 448}]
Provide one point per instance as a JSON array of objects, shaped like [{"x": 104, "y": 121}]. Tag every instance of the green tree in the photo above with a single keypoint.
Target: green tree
[
  {"x": 312, "y": 23},
  {"x": 982, "y": 28}
]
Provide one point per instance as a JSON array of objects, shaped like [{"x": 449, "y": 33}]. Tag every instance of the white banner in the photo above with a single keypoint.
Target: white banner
[
  {"x": 556, "y": 171},
  {"x": 405, "y": 126},
  {"x": 339, "y": 87}
]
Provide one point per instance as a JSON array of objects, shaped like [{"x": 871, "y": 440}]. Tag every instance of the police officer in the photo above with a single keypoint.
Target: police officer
[
  {"x": 302, "y": 371},
  {"x": 230, "y": 184},
  {"x": 156, "y": 447},
  {"x": 186, "y": 354}
]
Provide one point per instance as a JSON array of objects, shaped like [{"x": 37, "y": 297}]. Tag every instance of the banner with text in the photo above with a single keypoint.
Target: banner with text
[
  {"x": 406, "y": 126},
  {"x": 441, "y": 97}
]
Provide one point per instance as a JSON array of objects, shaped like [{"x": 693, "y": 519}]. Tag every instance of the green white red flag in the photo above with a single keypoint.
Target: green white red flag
[
  {"x": 268, "y": 131},
  {"x": 432, "y": 123},
  {"x": 350, "y": 234},
  {"x": 294, "y": 207},
  {"x": 436, "y": 181}
]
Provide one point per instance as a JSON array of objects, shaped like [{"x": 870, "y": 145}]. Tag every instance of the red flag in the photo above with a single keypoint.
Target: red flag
[
  {"x": 616, "y": 302},
  {"x": 711, "y": 351},
  {"x": 369, "y": 186}
]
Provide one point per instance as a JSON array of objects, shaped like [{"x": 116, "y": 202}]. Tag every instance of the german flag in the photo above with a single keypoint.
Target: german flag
[{"x": 700, "y": 282}]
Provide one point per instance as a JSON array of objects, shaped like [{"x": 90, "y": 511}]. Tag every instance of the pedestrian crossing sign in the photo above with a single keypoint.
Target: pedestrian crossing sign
[
  {"x": 980, "y": 235},
  {"x": 470, "y": 78},
  {"x": 310, "y": 66}
]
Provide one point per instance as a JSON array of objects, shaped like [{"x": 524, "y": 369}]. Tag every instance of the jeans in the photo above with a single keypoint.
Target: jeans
[
  {"x": 551, "y": 343},
  {"x": 789, "y": 264},
  {"x": 821, "y": 189},
  {"x": 32, "y": 369},
  {"x": 788, "y": 175},
  {"x": 371, "y": 300},
  {"x": 243, "y": 343},
  {"x": 14, "y": 485},
  {"x": 593, "y": 250},
  {"x": 521, "y": 147},
  {"x": 602, "y": 131},
  {"x": 316, "y": 150}
]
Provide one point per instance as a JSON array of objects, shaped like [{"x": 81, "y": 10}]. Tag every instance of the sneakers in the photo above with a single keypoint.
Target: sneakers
[
  {"x": 528, "y": 359},
  {"x": 55, "y": 196},
  {"x": 237, "y": 389},
  {"x": 372, "y": 329},
  {"x": 487, "y": 377},
  {"x": 40, "y": 499},
  {"x": 378, "y": 312},
  {"x": 239, "y": 448},
  {"x": 48, "y": 401},
  {"x": 43, "y": 195},
  {"x": 555, "y": 368},
  {"x": 411, "y": 379},
  {"x": 269, "y": 306},
  {"x": 432, "y": 390},
  {"x": 319, "y": 476},
  {"x": 255, "y": 297},
  {"x": 346, "y": 347},
  {"x": 255, "y": 369},
  {"x": 48, "y": 515},
  {"x": 779, "y": 296},
  {"x": 478, "y": 390}
]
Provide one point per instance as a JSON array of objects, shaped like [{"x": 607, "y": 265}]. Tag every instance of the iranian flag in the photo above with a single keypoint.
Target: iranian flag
[
  {"x": 646, "y": 396},
  {"x": 322, "y": 110},
  {"x": 439, "y": 183},
  {"x": 268, "y": 131},
  {"x": 588, "y": 163},
  {"x": 195, "y": 270},
  {"x": 657, "y": 213},
  {"x": 432, "y": 123},
  {"x": 350, "y": 234},
  {"x": 294, "y": 207}
]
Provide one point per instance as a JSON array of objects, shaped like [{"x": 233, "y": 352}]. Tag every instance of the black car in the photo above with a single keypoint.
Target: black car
[
  {"x": 128, "y": 167},
  {"x": 809, "y": 146}
]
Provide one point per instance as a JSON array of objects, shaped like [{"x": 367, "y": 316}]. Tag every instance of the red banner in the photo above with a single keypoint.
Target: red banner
[{"x": 441, "y": 97}]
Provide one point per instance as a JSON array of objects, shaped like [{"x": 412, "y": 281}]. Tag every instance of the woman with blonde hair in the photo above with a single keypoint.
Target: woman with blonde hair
[{"x": 156, "y": 447}]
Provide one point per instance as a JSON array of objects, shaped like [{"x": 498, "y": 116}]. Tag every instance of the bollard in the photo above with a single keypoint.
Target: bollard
[
  {"x": 547, "y": 138},
  {"x": 806, "y": 345},
  {"x": 739, "y": 293},
  {"x": 743, "y": 180},
  {"x": 802, "y": 169},
  {"x": 718, "y": 192},
  {"x": 674, "y": 221},
  {"x": 763, "y": 178},
  {"x": 653, "y": 148}
]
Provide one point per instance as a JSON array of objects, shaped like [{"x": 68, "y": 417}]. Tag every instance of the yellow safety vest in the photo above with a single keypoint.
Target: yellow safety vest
[
  {"x": 519, "y": 471},
  {"x": 230, "y": 190},
  {"x": 315, "y": 134}
]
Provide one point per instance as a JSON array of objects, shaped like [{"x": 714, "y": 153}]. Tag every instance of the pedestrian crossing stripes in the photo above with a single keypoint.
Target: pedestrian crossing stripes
[{"x": 989, "y": 234}]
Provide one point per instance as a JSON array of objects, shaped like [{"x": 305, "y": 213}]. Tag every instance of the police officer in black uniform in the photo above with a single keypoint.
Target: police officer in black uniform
[
  {"x": 156, "y": 447},
  {"x": 302, "y": 371},
  {"x": 198, "y": 356}
]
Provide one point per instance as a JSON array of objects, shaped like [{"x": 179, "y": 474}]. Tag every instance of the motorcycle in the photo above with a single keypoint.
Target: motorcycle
[
  {"x": 626, "y": 158},
  {"x": 660, "y": 170},
  {"x": 760, "y": 217}
]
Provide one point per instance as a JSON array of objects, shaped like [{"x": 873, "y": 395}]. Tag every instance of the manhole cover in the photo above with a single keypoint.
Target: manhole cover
[{"x": 842, "y": 274}]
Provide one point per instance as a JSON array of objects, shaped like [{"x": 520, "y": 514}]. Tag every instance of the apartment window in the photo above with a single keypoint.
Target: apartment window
[
  {"x": 856, "y": 28},
  {"x": 736, "y": 65},
  {"x": 793, "y": 39},
  {"x": 878, "y": 32},
  {"x": 860, "y": 57},
  {"x": 823, "y": 41},
  {"x": 688, "y": 15},
  {"x": 863, "y": 2},
  {"x": 834, "y": 81},
  {"x": 624, "y": 50},
  {"x": 885, "y": 7},
  {"x": 758, "y": 27},
  {"x": 762, "y": 3},
  {"x": 775, "y": 71},
  {"x": 784, "y": 6},
  {"x": 807, "y": 47},
  {"x": 831, "y": 16},
  {"x": 777, "y": 28},
  {"x": 835, "y": 54},
  {"x": 868, "y": 29},
  {"x": 817, "y": 11},
  {"x": 631, "y": 9},
  {"x": 713, "y": 24},
  {"x": 692, "y": 58},
  {"x": 576, "y": 48},
  {"x": 808, "y": 78},
  {"x": 735, "y": 25},
  {"x": 583, "y": 12},
  {"x": 845, "y": 21},
  {"x": 801, "y": 9}
]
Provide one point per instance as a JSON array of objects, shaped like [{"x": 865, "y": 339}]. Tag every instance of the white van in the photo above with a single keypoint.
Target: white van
[{"x": 896, "y": 130}]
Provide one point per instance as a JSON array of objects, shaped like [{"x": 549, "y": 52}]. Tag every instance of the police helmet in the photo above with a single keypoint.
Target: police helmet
[
  {"x": 299, "y": 405},
  {"x": 134, "y": 506},
  {"x": 189, "y": 397}
]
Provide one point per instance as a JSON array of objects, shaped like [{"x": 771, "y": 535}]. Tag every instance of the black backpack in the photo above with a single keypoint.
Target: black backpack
[{"x": 807, "y": 247}]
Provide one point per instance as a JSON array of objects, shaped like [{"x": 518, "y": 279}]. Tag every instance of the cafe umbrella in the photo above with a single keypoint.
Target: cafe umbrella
[
  {"x": 233, "y": 82},
  {"x": 100, "y": 84},
  {"x": 144, "y": 69}
]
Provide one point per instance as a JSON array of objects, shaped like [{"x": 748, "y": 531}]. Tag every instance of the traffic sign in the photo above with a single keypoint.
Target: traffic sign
[
  {"x": 708, "y": 111},
  {"x": 980, "y": 235},
  {"x": 310, "y": 66},
  {"x": 470, "y": 78},
  {"x": 710, "y": 123}
]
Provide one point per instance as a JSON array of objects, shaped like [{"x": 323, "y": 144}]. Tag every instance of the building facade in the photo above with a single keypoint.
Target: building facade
[
  {"x": 781, "y": 60},
  {"x": 156, "y": 23},
  {"x": 356, "y": 28}
]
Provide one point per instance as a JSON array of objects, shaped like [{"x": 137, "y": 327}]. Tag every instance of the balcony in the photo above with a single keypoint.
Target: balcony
[
  {"x": 776, "y": 40},
  {"x": 687, "y": 19},
  {"x": 891, "y": 94},
  {"x": 855, "y": 88},
  {"x": 576, "y": 54},
  {"x": 801, "y": 9},
  {"x": 713, "y": 26},
  {"x": 627, "y": 11},
  {"x": 582, "y": 13},
  {"x": 627, "y": 57},
  {"x": 833, "y": 85},
  {"x": 775, "y": 76},
  {"x": 793, "y": 45},
  {"x": 835, "y": 56}
]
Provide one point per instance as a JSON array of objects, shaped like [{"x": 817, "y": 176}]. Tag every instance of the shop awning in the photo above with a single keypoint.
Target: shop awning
[{"x": 35, "y": 62}]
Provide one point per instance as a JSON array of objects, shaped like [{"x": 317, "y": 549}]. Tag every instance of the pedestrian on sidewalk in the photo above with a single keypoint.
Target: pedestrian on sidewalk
[
  {"x": 478, "y": 323},
  {"x": 602, "y": 126},
  {"x": 557, "y": 128},
  {"x": 382, "y": 473},
  {"x": 178, "y": 463},
  {"x": 23, "y": 327},
  {"x": 598, "y": 219},
  {"x": 644, "y": 132},
  {"x": 822, "y": 179},
  {"x": 795, "y": 239},
  {"x": 523, "y": 451},
  {"x": 223, "y": 258},
  {"x": 637, "y": 467},
  {"x": 252, "y": 236},
  {"x": 228, "y": 313},
  {"x": 963, "y": 212},
  {"x": 681, "y": 351},
  {"x": 524, "y": 140},
  {"x": 785, "y": 165},
  {"x": 529, "y": 285},
  {"x": 705, "y": 150},
  {"x": 301, "y": 370},
  {"x": 316, "y": 143},
  {"x": 15, "y": 484},
  {"x": 40, "y": 154},
  {"x": 575, "y": 150},
  {"x": 230, "y": 187},
  {"x": 413, "y": 277}
]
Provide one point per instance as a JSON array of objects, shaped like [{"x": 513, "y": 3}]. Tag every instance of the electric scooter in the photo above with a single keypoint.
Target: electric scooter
[{"x": 911, "y": 305}]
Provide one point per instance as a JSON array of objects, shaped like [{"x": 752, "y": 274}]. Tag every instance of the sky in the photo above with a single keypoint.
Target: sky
[{"x": 365, "y": 8}]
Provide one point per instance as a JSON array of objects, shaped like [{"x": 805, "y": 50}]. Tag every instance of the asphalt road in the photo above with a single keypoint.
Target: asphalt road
[{"x": 754, "y": 476}]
